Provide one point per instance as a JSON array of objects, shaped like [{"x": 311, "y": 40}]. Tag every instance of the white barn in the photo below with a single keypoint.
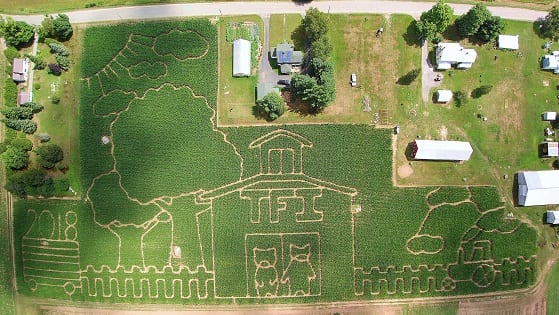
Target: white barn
[
  {"x": 441, "y": 150},
  {"x": 508, "y": 42},
  {"x": 551, "y": 62},
  {"x": 553, "y": 217},
  {"x": 538, "y": 188},
  {"x": 448, "y": 54},
  {"x": 241, "y": 58},
  {"x": 444, "y": 96}
]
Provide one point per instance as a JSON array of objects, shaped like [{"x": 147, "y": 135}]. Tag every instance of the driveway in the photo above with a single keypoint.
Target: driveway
[
  {"x": 267, "y": 74},
  {"x": 427, "y": 73}
]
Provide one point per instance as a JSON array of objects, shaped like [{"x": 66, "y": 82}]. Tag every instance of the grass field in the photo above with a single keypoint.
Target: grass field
[{"x": 552, "y": 283}]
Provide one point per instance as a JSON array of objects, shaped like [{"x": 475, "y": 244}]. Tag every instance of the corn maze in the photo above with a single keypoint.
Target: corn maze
[{"x": 179, "y": 210}]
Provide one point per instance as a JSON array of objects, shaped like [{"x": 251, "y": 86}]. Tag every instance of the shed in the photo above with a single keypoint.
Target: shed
[
  {"x": 448, "y": 54},
  {"x": 538, "y": 188},
  {"x": 263, "y": 89},
  {"x": 241, "y": 58},
  {"x": 553, "y": 217},
  {"x": 551, "y": 62},
  {"x": 508, "y": 42},
  {"x": 550, "y": 149},
  {"x": 20, "y": 67},
  {"x": 444, "y": 96},
  {"x": 441, "y": 150},
  {"x": 549, "y": 116},
  {"x": 23, "y": 97}
]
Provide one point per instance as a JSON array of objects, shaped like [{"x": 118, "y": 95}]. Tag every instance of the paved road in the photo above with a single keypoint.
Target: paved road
[{"x": 267, "y": 8}]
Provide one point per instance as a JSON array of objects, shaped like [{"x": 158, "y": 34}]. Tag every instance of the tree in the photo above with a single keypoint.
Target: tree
[
  {"x": 46, "y": 29},
  {"x": 302, "y": 85},
  {"x": 315, "y": 24},
  {"x": 11, "y": 53},
  {"x": 61, "y": 27},
  {"x": 49, "y": 154},
  {"x": 322, "y": 70},
  {"x": 425, "y": 30},
  {"x": 17, "y": 33},
  {"x": 271, "y": 105},
  {"x": 439, "y": 15},
  {"x": 550, "y": 25},
  {"x": 15, "y": 158},
  {"x": 469, "y": 23},
  {"x": 321, "y": 48},
  {"x": 490, "y": 29},
  {"x": 481, "y": 91}
]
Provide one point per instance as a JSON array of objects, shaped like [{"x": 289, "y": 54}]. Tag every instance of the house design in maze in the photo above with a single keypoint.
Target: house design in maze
[{"x": 284, "y": 218}]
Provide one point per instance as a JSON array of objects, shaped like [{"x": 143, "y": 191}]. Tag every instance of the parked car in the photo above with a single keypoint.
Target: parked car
[
  {"x": 284, "y": 82},
  {"x": 353, "y": 79}
]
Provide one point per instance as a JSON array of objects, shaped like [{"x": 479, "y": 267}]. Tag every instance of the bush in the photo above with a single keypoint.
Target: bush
[
  {"x": 16, "y": 33},
  {"x": 272, "y": 106},
  {"x": 38, "y": 62},
  {"x": 36, "y": 86},
  {"x": 55, "y": 99},
  {"x": 62, "y": 62},
  {"x": 90, "y": 5},
  {"x": 55, "y": 69},
  {"x": 26, "y": 125},
  {"x": 10, "y": 92},
  {"x": 22, "y": 144},
  {"x": 36, "y": 108},
  {"x": 59, "y": 49},
  {"x": 43, "y": 137},
  {"x": 11, "y": 53},
  {"x": 61, "y": 27},
  {"x": 29, "y": 182},
  {"x": 17, "y": 113},
  {"x": 15, "y": 158},
  {"x": 461, "y": 98},
  {"x": 49, "y": 155}
]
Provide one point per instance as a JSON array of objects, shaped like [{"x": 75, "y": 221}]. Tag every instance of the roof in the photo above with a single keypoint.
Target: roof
[
  {"x": 263, "y": 89},
  {"x": 443, "y": 150},
  {"x": 23, "y": 97},
  {"x": 551, "y": 148},
  {"x": 453, "y": 53},
  {"x": 549, "y": 116},
  {"x": 537, "y": 188},
  {"x": 551, "y": 62},
  {"x": 277, "y": 133},
  {"x": 444, "y": 96},
  {"x": 508, "y": 42},
  {"x": 268, "y": 181},
  {"x": 284, "y": 53},
  {"x": 19, "y": 69},
  {"x": 286, "y": 68},
  {"x": 553, "y": 217},
  {"x": 241, "y": 58}
]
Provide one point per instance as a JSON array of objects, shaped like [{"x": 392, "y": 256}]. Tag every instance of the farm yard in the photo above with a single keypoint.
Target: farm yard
[{"x": 315, "y": 212}]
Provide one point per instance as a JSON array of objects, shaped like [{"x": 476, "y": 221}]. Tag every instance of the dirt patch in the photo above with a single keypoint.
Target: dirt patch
[
  {"x": 405, "y": 171},
  {"x": 533, "y": 304}
]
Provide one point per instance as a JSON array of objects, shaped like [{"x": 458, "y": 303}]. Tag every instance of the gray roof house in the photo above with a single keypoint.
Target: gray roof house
[
  {"x": 286, "y": 57},
  {"x": 20, "y": 66}
]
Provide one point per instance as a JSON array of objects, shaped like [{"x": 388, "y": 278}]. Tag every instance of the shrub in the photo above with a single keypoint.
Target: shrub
[
  {"x": 36, "y": 108},
  {"x": 55, "y": 99},
  {"x": 36, "y": 86},
  {"x": 26, "y": 125},
  {"x": 62, "y": 62},
  {"x": 28, "y": 182},
  {"x": 15, "y": 158},
  {"x": 90, "y": 5},
  {"x": 272, "y": 106},
  {"x": 59, "y": 49},
  {"x": 61, "y": 27},
  {"x": 461, "y": 98},
  {"x": 17, "y": 113},
  {"x": 55, "y": 69},
  {"x": 49, "y": 155},
  {"x": 43, "y": 137},
  {"x": 22, "y": 144},
  {"x": 11, "y": 53},
  {"x": 38, "y": 61},
  {"x": 10, "y": 92}
]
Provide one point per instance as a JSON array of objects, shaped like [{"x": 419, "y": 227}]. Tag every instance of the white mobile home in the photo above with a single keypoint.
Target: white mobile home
[
  {"x": 448, "y": 54},
  {"x": 551, "y": 62},
  {"x": 441, "y": 150},
  {"x": 538, "y": 188},
  {"x": 241, "y": 58}
]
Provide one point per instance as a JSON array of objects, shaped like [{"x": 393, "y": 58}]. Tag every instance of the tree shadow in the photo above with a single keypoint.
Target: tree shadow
[
  {"x": 515, "y": 190},
  {"x": 410, "y": 36},
  {"x": 297, "y": 106},
  {"x": 298, "y": 38},
  {"x": 451, "y": 33}
]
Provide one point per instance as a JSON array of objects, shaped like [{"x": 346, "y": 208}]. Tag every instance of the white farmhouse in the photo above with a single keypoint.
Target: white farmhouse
[
  {"x": 538, "y": 188},
  {"x": 449, "y": 54}
]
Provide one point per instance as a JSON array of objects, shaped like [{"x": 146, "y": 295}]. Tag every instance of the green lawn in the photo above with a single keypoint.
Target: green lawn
[
  {"x": 552, "y": 282},
  {"x": 439, "y": 309},
  {"x": 282, "y": 27}
]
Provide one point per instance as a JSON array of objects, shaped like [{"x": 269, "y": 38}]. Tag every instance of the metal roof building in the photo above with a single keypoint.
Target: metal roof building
[
  {"x": 241, "y": 58},
  {"x": 553, "y": 217},
  {"x": 538, "y": 188},
  {"x": 448, "y": 54},
  {"x": 508, "y": 42},
  {"x": 441, "y": 150},
  {"x": 444, "y": 96}
]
